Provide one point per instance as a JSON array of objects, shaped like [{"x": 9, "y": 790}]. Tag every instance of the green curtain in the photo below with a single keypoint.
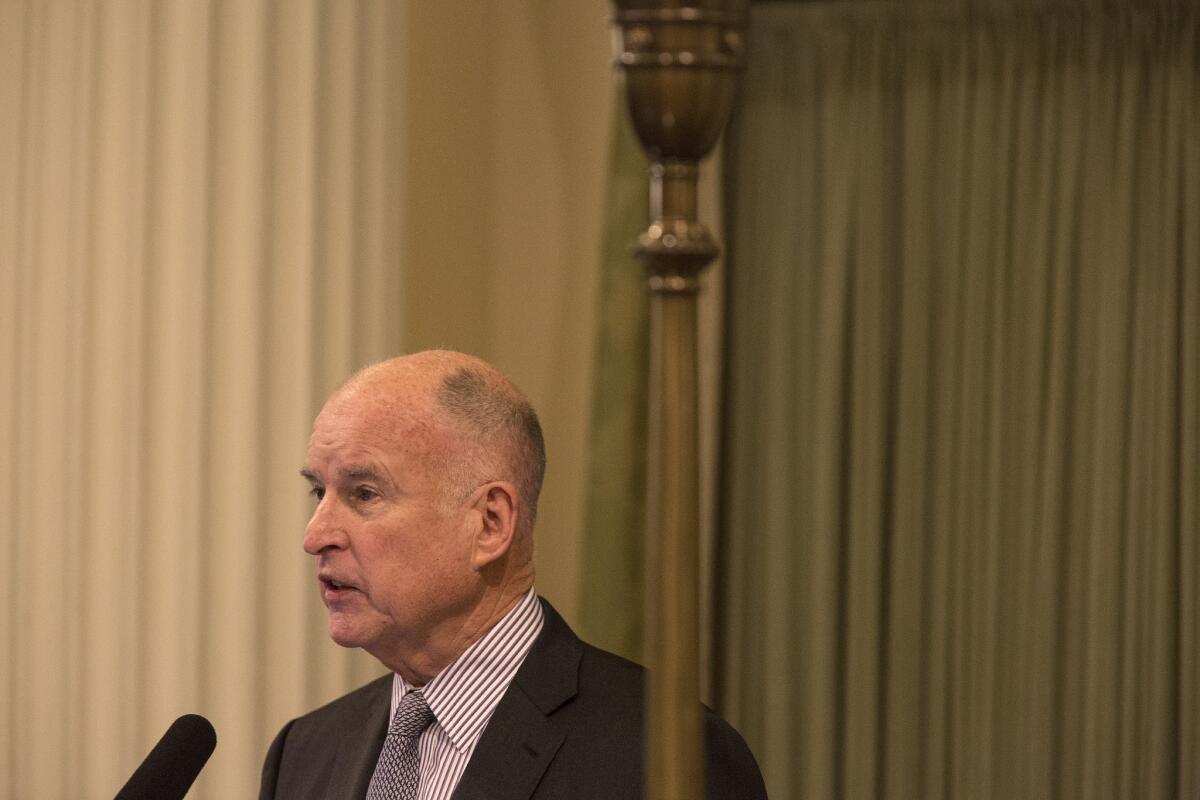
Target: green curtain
[
  {"x": 614, "y": 524},
  {"x": 962, "y": 416}
]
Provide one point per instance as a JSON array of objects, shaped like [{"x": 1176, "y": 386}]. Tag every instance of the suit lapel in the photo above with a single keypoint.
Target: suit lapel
[
  {"x": 521, "y": 738},
  {"x": 359, "y": 746},
  {"x": 515, "y": 750}
]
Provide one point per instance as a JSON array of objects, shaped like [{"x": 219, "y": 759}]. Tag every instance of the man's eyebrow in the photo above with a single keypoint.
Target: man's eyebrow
[
  {"x": 352, "y": 472},
  {"x": 361, "y": 472}
]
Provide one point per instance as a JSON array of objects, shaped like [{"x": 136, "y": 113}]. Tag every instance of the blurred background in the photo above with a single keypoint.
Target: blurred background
[{"x": 951, "y": 363}]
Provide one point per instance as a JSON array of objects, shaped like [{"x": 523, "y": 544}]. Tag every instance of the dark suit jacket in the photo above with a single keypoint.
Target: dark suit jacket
[{"x": 569, "y": 726}]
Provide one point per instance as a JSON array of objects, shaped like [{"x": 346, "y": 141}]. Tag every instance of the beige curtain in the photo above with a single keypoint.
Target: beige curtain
[
  {"x": 196, "y": 243},
  {"x": 963, "y": 412}
]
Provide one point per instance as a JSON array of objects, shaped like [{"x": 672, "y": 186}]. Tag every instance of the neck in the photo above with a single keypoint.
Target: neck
[{"x": 420, "y": 664}]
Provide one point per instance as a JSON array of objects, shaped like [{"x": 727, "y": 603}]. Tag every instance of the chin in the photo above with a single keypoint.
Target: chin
[
  {"x": 347, "y": 635},
  {"x": 344, "y": 641}
]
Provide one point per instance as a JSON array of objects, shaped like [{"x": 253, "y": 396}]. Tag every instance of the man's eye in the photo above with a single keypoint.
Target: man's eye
[
  {"x": 317, "y": 492},
  {"x": 363, "y": 494}
]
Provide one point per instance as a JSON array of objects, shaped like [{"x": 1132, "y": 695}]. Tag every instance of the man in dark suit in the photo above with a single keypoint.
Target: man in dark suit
[{"x": 427, "y": 470}]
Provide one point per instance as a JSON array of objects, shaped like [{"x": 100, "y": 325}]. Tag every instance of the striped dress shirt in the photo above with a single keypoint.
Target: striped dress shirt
[{"x": 464, "y": 695}]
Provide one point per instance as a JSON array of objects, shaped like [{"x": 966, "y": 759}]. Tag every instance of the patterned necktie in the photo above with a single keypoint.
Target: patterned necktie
[{"x": 397, "y": 772}]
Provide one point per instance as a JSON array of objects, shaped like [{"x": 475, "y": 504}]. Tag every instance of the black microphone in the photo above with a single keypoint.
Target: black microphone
[{"x": 172, "y": 766}]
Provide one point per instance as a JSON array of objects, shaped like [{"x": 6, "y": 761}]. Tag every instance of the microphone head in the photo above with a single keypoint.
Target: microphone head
[{"x": 172, "y": 766}]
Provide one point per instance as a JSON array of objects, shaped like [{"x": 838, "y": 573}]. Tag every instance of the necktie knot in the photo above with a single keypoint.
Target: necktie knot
[
  {"x": 398, "y": 770},
  {"x": 413, "y": 716}
]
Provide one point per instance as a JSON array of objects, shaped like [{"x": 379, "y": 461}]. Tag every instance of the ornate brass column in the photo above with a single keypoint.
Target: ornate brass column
[{"x": 679, "y": 61}]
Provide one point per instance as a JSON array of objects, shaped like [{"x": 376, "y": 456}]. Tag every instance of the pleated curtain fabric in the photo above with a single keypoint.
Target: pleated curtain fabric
[
  {"x": 615, "y": 508},
  {"x": 961, "y": 454},
  {"x": 197, "y": 242}
]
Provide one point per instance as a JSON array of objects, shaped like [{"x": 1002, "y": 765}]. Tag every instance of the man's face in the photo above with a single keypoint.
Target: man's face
[{"x": 393, "y": 556}]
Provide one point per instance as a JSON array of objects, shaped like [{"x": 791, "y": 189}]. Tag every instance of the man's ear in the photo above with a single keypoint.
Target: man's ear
[{"x": 498, "y": 507}]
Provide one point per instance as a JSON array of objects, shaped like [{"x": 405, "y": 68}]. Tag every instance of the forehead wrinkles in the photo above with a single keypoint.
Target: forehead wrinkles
[{"x": 391, "y": 425}]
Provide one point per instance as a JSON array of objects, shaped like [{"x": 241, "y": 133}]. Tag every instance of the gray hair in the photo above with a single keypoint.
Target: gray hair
[{"x": 498, "y": 415}]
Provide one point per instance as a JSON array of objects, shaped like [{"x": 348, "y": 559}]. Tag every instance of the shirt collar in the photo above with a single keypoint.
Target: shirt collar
[{"x": 464, "y": 694}]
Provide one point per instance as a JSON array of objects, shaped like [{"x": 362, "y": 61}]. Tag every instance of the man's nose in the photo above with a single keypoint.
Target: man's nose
[{"x": 324, "y": 530}]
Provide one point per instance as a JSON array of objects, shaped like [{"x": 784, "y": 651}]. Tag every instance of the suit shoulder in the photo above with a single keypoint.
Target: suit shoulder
[
  {"x": 731, "y": 768},
  {"x": 613, "y": 680},
  {"x": 609, "y": 710},
  {"x": 302, "y": 755},
  {"x": 603, "y": 661}
]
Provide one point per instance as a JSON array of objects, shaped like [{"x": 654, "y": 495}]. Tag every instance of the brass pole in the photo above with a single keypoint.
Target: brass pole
[{"x": 679, "y": 65}]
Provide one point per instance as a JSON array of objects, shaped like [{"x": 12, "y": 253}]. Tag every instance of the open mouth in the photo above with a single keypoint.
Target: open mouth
[{"x": 335, "y": 588}]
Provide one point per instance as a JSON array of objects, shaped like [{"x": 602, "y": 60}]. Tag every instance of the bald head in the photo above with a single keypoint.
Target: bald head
[
  {"x": 484, "y": 427},
  {"x": 426, "y": 470}
]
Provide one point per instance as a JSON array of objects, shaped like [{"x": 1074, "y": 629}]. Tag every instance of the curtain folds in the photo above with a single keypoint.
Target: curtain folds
[
  {"x": 195, "y": 246},
  {"x": 614, "y": 504},
  {"x": 962, "y": 417}
]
